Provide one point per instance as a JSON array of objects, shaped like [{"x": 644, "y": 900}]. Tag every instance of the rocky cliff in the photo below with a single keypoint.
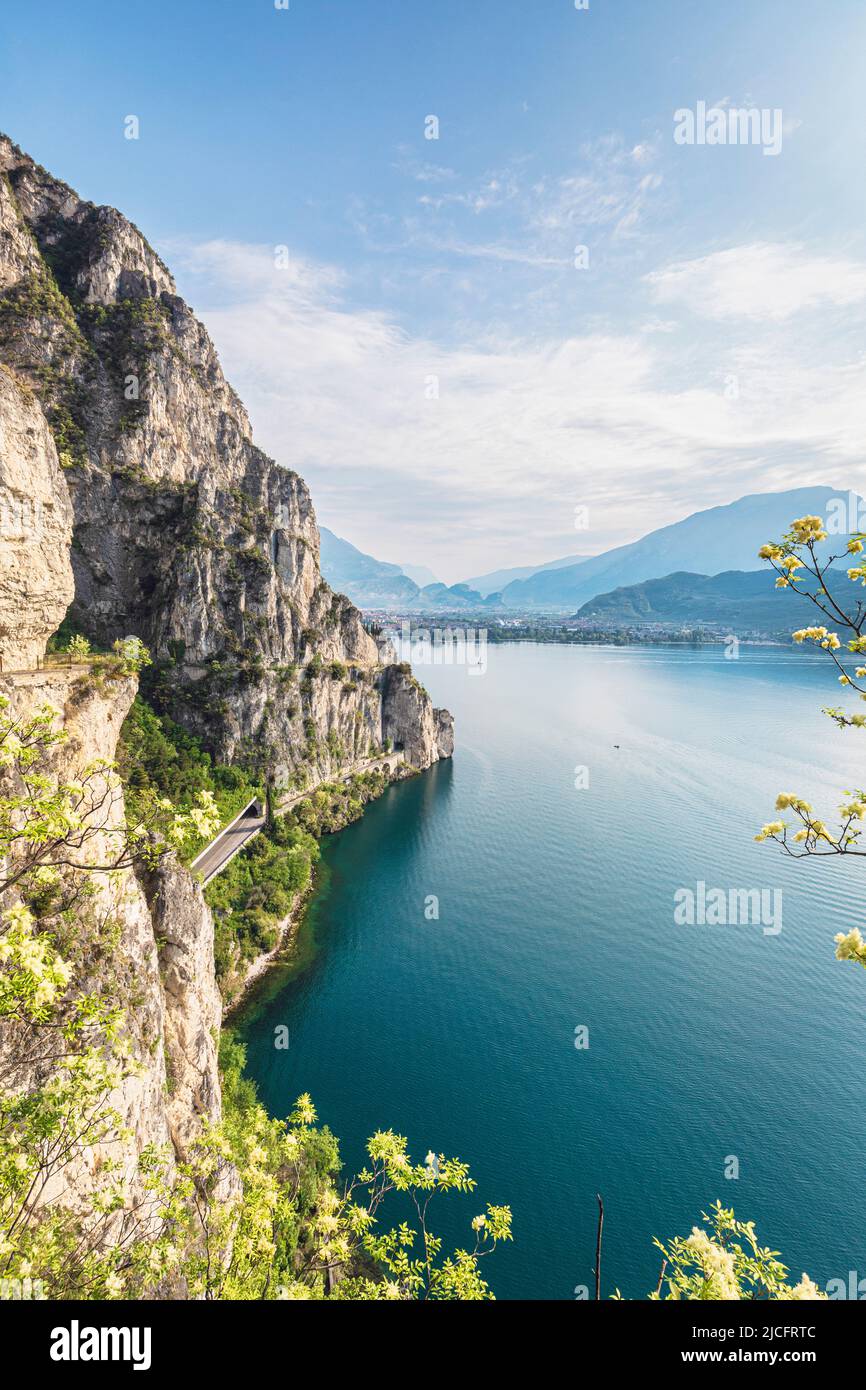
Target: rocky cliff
[
  {"x": 35, "y": 527},
  {"x": 148, "y": 946},
  {"x": 130, "y": 487},
  {"x": 185, "y": 533}
]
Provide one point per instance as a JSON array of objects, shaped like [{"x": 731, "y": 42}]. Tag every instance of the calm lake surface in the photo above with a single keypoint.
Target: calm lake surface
[{"x": 557, "y": 911}]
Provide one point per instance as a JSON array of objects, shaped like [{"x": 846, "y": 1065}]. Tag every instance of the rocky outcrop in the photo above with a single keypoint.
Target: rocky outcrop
[
  {"x": 36, "y": 585},
  {"x": 409, "y": 720},
  {"x": 116, "y": 950},
  {"x": 192, "y": 1008},
  {"x": 186, "y": 534},
  {"x": 145, "y": 947}
]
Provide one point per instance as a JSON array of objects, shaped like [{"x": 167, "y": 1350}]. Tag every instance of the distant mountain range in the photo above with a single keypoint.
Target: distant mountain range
[
  {"x": 498, "y": 580},
  {"x": 369, "y": 583},
  {"x": 714, "y": 542},
  {"x": 376, "y": 584},
  {"x": 736, "y": 601},
  {"x": 420, "y": 574},
  {"x": 708, "y": 542}
]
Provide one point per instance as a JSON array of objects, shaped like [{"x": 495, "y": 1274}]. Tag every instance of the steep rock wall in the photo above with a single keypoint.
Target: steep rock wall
[
  {"x": 158, "y": 516},
  {"x": 36, "y": 584},
  {"x": 158, "y": 966},
  {"x": 186, "y": 534}
]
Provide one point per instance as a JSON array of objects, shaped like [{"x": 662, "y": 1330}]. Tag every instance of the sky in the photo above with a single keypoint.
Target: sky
[{"x": 457, "y": 261}]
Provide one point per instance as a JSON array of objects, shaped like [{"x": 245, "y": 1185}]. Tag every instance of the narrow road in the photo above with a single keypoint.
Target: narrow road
[
  {"x": 252, "y": 819},
  {"x": 229, "y": 842}
]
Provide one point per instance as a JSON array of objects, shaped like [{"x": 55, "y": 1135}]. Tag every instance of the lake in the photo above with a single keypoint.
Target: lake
[{"x": 706, "y": 1043}]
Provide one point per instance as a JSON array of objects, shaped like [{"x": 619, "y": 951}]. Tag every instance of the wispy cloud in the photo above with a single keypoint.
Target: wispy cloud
[
  {"x": 611, "y": 188},
  {"x": 476, "y": 454},
  {"x": 763, "y": 280},
  {"x": 510, "y": 214}
]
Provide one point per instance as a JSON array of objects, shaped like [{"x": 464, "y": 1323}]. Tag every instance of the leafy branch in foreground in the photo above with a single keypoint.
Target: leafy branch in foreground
[
  {"x": 47, "y": 821},
  {"x": 797, "y": 565},
  {"x": 410, "y": 1274},
  {"x": 287, "y": 1231},
  {"x": 725, "y": 1263},
  {"x": 253, "y": 1210},
  {"x": 63, "y": 842}
]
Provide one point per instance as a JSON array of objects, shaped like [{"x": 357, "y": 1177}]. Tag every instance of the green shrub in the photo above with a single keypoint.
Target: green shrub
[{"x": 157, "y": 758}]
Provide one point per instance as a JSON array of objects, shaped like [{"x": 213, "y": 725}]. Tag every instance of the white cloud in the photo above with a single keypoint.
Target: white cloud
[
  {"x": 635, "y": 424},
  {"x": 763, "y": 280},
  {"x": 605, "y": 197},
  {"x": 612, "y": 188}
]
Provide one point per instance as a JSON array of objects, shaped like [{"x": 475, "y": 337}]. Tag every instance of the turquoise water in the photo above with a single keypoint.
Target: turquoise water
[{"x": 556, "y": 910}]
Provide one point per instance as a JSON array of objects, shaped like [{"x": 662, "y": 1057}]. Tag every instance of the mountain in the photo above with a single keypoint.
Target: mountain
[
  {"x": 498, "y": 580},
  {"x": 368, "y": 582},
  {"x": 735, "y": 601},
  {"x": 708, "y": 542},
  {"x": 374, "y": 584},
  {"x": 454, "y": 598},
  {"x": 420, "y": 574},
  {"x": 185, "y": 533}
]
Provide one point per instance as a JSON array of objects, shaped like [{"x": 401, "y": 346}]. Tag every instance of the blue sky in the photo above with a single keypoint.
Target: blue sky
[{"x": 423, "y": 348}]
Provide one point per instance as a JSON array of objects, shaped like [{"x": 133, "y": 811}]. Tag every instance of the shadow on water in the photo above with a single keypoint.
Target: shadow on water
[{"x": 405, "y": 805}]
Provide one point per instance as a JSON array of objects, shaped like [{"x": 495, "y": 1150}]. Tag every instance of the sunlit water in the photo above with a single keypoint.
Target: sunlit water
[{"x": 557, "y": 911}]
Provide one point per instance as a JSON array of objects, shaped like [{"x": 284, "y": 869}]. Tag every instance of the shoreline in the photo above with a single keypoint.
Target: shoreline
[
  {"x": 258, "y": 969},
  {"x": 290, "y": 928}
]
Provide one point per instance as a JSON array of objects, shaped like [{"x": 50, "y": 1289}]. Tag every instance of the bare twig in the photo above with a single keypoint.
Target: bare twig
[{"x": 598, "y": 1247}]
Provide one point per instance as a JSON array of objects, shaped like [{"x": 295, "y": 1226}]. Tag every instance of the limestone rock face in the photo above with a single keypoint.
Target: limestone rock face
[
  {"x": 444, "y": 733},
  {"x": 186, "y": 534},
  {"x": 36, "y": 584},
  {"x": 409, "y": 720},
  {"x": 167, "y": 990},
  {"x": 192, "y": 1009},
  {"x": 92, "y": 720},
  {"x": 159, "y": 517}
]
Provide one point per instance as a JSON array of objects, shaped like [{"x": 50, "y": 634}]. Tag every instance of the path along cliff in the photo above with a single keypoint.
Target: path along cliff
[{"x": 134, "y": 502}]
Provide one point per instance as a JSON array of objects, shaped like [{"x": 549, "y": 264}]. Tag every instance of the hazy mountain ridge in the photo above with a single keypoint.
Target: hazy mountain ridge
[
  {"x": 737, "y": 601},
  {"x": 714, "y": 541},
  {"x": 498, "y": 580},
  {"x": 375, "y": 584},
  {"x": 717, "y": 541}
]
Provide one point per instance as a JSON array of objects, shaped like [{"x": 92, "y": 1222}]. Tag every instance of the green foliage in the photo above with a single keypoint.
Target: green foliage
[
  {"x": 159, "y": 760},
  {"x": 726, "y": 1263},
  {"x": 410, "y": 1256},
  {"x": 799, "y": 568},
  {"x": 58, "y": 936},
  {"x": 78, "y": 647},
  {"x": 59, "y": 641},
  {"x": 31, "y": 311},
  {"x": 126, "y": 335},
  {"x": 255, "y": 892},
  {"x": 293, "y": 1229},
  {"x": 334, "y": 805},
  {"x": 46, "y": 820},
  {"x": 132, "y": 655}
]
